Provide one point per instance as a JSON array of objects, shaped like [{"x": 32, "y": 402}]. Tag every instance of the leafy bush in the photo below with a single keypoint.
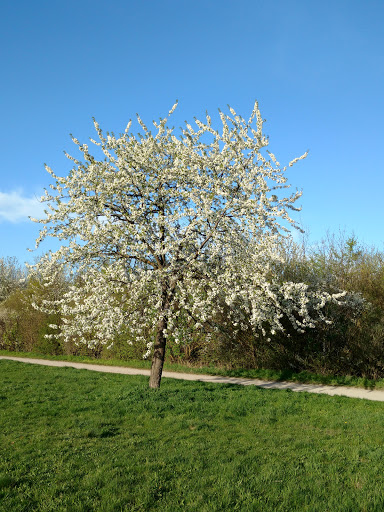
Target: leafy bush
[
  {"x": 353, "y": 343},
  {"x": 22, "y": 327}
]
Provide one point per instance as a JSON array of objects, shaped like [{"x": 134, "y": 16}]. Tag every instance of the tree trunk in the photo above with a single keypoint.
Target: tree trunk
[
  {"x": 167, "y": 292},
  {"x": 158, "y": 355}
]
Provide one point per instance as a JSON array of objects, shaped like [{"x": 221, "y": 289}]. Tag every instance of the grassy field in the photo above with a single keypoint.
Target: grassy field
[
  {"x": 73, "y": 440},
  {"x": 278, "y": 375}
]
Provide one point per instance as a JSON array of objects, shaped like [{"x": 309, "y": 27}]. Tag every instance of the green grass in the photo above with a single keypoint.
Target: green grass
[
  {"x": 73, "y": 440},
  {"x": 265, "y": 374}
]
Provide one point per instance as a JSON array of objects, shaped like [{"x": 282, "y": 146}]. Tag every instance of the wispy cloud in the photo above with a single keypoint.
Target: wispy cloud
[{"x": 15, "y": 207}]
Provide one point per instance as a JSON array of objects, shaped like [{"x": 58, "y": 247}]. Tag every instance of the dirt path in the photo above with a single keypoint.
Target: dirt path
[{"x": 366, "y": 394}]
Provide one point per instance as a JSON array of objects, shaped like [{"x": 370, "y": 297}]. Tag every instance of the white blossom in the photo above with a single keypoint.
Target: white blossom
[{"x": 167, "y": 224}]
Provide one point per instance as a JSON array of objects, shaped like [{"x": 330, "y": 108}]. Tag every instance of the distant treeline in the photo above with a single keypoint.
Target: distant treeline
[{"x": 351, "y": 344}]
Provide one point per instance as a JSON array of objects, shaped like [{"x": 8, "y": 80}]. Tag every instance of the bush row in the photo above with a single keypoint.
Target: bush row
[{"x": 353, "y": 344}]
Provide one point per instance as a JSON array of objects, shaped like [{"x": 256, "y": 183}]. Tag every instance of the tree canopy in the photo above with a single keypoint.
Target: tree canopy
[{"x": 168, "y": 227}]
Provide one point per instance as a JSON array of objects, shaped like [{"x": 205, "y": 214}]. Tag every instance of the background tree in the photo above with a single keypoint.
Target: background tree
[
  {"x": 12, "y": 276},
  {"x": 170, "y": 226}
]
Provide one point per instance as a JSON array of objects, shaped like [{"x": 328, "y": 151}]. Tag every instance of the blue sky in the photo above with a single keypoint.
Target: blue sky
[{"x": 316, "y": 68}]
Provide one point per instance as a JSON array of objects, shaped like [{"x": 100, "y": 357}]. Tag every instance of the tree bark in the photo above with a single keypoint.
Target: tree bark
[
  {"x": 158, "y": 355},
  {"x": 160, "y": 342}
]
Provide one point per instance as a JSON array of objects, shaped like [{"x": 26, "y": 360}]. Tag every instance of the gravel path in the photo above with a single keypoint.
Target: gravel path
[{"x": 366, "y": 394}]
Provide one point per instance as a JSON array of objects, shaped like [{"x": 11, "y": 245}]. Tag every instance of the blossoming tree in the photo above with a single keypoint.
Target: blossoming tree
[{"x": 168, "y": 225}]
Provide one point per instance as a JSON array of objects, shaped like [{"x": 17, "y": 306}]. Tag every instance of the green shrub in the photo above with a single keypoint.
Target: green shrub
[{"x": 353, "y": 343}]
